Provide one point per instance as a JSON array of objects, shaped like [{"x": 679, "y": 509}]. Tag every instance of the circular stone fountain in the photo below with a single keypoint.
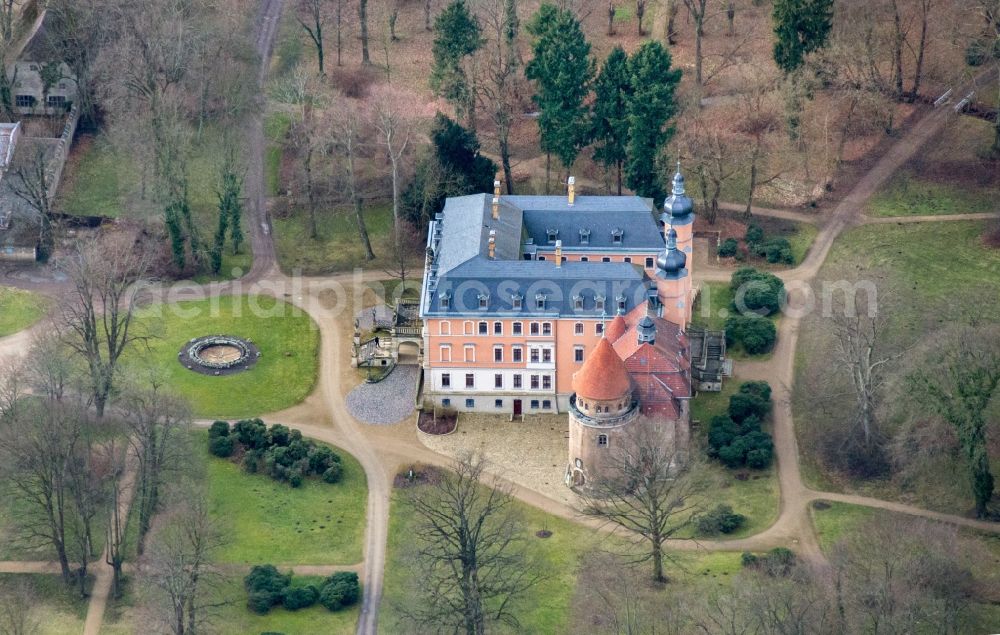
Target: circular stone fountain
[{"x": 218, "y": 355}]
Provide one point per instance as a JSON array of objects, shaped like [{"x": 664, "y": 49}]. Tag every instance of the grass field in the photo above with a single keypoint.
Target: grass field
[
  {"x": 928, "y": 276},
  {"x": 757, "y": 497},
  {"x": 19, "y": 310},
  {"x": 101, "y": 181},
  {"x": 270, "y": 522},
  {"x": 339, "y": 247},
  {"x": 282, "y": 377},
  {"x": 544, "y": 610},
  {"x": 907, "y": 194},
  {"x": 55, "y": 609},
  {"x": 275, "y": 127}
]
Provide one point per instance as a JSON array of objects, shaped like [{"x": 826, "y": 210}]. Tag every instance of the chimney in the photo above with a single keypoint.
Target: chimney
[
  {"x": 572, "y": 190},
  {"x": 559, "y": 250},
  {"x": 496, "y": 188},
  {"x": 493, "y": 244},
  {"x": 496, "y": 207}
]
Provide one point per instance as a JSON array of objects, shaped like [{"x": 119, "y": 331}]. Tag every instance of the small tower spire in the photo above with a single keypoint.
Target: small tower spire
[{"x": 678, "y": 185}]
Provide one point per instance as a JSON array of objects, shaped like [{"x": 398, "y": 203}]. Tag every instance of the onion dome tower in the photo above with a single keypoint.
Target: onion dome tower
[
  {"x": 600, "y": 412},
  {"x": 673, "y": 282},
  {"x": 678, "y": 212}
]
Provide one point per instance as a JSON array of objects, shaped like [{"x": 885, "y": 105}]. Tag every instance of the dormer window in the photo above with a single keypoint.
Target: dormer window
[
  {"x": 552, "y": 235},
  {"x": 445, "y": 300},
  {"x": 621, "y": 303},
  {"x": 578, "y": 302},
  {"x": 584, "y": 236},
  {"x": 540, "y": 301},
  {"x": 484, "y": 300},
  {"x": 616, "y": 236},
  {"x": 515, "y": 301},
  {"x": 599, "y": 302}
]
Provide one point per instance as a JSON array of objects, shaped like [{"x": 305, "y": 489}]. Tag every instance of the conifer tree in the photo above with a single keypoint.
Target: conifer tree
[
  {"x": 801, "y": 27},
  {"x": 612, "y": 90},
  {"x": 651, "y": 106},
  {"x": 562, "y": 70},
  {"x": 457, "y": 35}
]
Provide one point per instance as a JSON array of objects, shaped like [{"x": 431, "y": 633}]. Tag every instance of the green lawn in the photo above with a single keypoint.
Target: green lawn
[
  {"x": 20, "y": 309},
  {"x": 275, "y": 128},
  {"x": 55, "y": 609},
  {"x": 832, "y": 521},
  {"x": 907, "y": 194},
  {"x": 270, "y": 522},
  {"x": 102, "y": 181},
  {"x": 757, "y": 497},
  {"x": 283, "y": 376},
  {"x": 929, "y": 275},
  {"x": 544, "y": 610},
  {"x": 339, "y": 247}
]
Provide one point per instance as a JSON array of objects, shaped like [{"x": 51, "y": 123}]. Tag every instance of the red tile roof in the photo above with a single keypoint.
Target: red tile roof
[
  {"x": 603, "y": 376},
  {"x": 615, "y": 329}
]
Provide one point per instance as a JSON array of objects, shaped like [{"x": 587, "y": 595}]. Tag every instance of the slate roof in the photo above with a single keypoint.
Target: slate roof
[{"x": 460, "y": 266}]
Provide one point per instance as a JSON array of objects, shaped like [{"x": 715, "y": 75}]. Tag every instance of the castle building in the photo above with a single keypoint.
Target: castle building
[{"x": 564, "y": 304}]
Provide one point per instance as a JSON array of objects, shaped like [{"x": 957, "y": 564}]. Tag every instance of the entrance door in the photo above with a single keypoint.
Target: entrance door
[{"x": 517, "y": 407}]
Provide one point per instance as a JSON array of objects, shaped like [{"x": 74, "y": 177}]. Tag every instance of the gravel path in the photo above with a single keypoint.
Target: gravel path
[{"x": 389, "y": 401}]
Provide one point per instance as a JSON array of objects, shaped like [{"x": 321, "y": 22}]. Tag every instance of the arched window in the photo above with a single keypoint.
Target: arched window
[{"x": 602, "y": 440}]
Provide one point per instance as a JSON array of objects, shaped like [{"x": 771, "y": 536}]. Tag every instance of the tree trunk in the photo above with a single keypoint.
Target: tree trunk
[
  {"x": 363, "y": 229},
  {"x": 310, "y": 195},
  {"x": 996, "y": 124},
  {"x": 427, "y": 15},
  {"x": 754, "y": 157},
  {"x": 340, "y": 31},
  {"x": 698, "y": 32},
  {"x": 731, "y": 18},
  {"x": 508, "y": 174},
  {"x": 657, "y": 556},
  {"x": 395, "y": 200},
  {"x": 671, "y": 20},
  {"x": 548, "y": 170},
  {"x": 921, "y": 47},
  {"x": 897, "y": 51},
  {"x": 366, "y": 59}
]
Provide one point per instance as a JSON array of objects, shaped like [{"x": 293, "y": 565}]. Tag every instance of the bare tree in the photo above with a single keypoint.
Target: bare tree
[
  {"x": 699, "y": 11},
  {"x": 363, "y": 18},
  {"x": 13, "y": 387},
  {"x": 714, "y": 154},
  {"x": 154, "y": 421},
  {"x": 672, "y": 9},
  {"x": 51, "y": 370},
  {"x": 957, "y": 381},
  {"x": 347, "y": 140},
  {"x": 640, "y": 12},
  {"x": 759, "y": 119},
  {"x": 15, "y": 611},
  {"x": 649, "y": 488},
  {"x": 95, "y": 320},
  {"x": 395, "y": 136},
  {"x": 498, "y": 90},
  {"x": 469, "y": 550},
  {"x": 116, "y": 539},
  {"x": 901, "y": 576},
  {"x": 918, "y": 71},
  {"x": 311, "y": 16},
  {"x": 177, "y": 567},
  {"x": 30, "y": 183},
  {"x": 45, "y": 456}
]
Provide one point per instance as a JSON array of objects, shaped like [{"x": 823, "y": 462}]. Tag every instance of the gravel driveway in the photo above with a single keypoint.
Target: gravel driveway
[{"x": 389, "y": 401}]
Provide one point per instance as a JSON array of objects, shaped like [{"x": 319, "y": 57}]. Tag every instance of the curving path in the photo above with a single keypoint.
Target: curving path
[{"x": 382, "y": 450}]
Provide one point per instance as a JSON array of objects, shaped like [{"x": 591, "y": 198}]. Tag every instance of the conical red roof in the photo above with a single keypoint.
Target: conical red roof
[
  {"x": 616, "y": 328},
  {"x": 603, "y": 376}
]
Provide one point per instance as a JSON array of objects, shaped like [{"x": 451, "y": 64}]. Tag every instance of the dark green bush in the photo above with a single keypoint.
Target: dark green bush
[
  {"x": 252, "y": 433},
  {"x": 295, "y": 477},
  {"x": 278, "y": 434},
  {"x": 218, "y": 429},
  {"x": 761, "y": 389},
  {"x": 721, "y": 432},
  {"x": 321, "y": 458},
  {"x": 756, "y": 334},
  {"x": 754, "y": 235},
  {"x": 251, "y": 462},
  {"x": 779, "y": 251},
  {"x": 742, "y": 405},
  {"x": 977, "y": 52},
  {"x": 333, "y": 473},
  {"x": 722, "y": 520},
  {"x": 260, "y": 602},
  {"x": 748, "y": 559},
  {"x": 728, "y": 248},
  {"x": 221, "y": 446},
  {"x": 266, "y": 577},
  {"x": 776, "y": 562},
  {"x": 295, "y": 598},
  {"x": 759, "y": 458},
  {"x": 734, "y": 454},
  {"x": 340, "y": 590},
  {"x": 756, "y": 291}
]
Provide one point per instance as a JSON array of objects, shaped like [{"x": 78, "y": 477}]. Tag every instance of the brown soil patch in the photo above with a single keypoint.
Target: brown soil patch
[
  {"x": 417, "y": 474},
  {"x": 442, "y": 424}
]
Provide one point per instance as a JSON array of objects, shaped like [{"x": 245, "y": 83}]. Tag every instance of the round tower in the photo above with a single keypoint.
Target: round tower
[
  {"x": 600, "y": 411},
  {"x": 673, "y": 282},
  {"x": 678, "y": 212}
]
